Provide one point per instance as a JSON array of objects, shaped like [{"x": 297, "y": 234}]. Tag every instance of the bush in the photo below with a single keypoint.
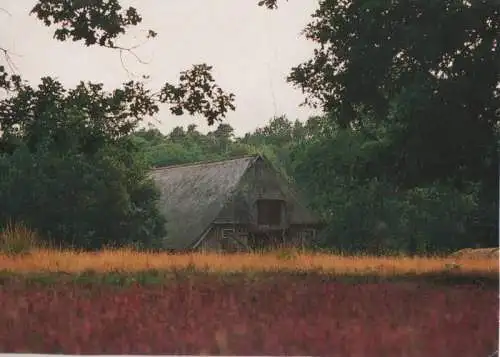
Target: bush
[{"x": 80, "y": 200}]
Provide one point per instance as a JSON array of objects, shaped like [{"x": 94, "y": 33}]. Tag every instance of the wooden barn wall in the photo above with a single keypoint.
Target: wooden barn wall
[
  {"x": 215, "y": 242},
  {"x": 260, "y": 182},
  {"x": 298, "y": 236},
  {"x": 297, "y": 211},
  {"x": 210, "y": 243}
]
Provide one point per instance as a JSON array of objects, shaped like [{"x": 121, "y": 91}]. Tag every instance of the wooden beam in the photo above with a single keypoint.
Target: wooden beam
[{"x": 202, "y": 237}]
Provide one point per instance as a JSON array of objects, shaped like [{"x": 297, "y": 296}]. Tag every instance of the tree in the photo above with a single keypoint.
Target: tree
[
  {"x": 68, "y": 166},
  {"x": 369, "y": 214},
  {"x": 74, "y": 185},
  {"x": 222, "y": 137},
  {"x": 428, "y": 72},
  {"x": 101, "y": 22}
]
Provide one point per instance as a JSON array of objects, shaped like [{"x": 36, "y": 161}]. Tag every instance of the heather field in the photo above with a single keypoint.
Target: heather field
[{"x": 280, "y": 303}]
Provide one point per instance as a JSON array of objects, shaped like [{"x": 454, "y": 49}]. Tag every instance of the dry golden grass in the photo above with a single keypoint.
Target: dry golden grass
[
  {"x": 479, "y": 253},
  {"x": 18, "y": 239},
  {"x": 127, "y": 260}
]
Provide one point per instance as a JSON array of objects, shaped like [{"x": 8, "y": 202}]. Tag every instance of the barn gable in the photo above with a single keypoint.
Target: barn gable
[{"x": 194, "y": 196}]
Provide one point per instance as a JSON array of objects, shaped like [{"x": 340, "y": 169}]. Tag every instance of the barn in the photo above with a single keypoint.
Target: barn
[{"x": 235, "y": 205}]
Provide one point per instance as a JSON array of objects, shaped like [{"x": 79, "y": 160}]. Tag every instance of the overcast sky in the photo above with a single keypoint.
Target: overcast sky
[{"x": 251, "y": 48}]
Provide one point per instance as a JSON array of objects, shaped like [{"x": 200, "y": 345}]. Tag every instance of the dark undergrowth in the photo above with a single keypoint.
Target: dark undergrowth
[{"x": 162, "y": 277}]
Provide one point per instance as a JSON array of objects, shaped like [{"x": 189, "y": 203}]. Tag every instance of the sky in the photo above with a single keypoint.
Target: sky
[{"x": 251, "y": 49}]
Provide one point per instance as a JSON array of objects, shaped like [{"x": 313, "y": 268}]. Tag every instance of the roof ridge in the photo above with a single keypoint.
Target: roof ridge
[{"x": 199, "y": 163}]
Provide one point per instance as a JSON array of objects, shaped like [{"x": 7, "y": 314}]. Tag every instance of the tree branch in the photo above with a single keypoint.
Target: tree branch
[
  {"x": 8, "y": 60},
  {"x": 129, "y": 50},
  {"x": 5, "y": 79},
  {"x": 5, "y": 11}
]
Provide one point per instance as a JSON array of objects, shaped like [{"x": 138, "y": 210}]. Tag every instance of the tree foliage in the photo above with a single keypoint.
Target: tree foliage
[
  {"x": 94, "y": 22},
  {"x": 68, "y": 169},
  {"x": 68, "y": 166},
  {"x": 371, "y": 214},
  {"x": 333, "y": 167},
  {"x": 427, "y": 74},
  {"x": 405, "y": 160},
  {"x": 101, "y": 22}
]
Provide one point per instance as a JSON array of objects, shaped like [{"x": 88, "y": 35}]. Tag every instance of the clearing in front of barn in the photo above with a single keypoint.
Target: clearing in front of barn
[{"x": 129, "y": 303}]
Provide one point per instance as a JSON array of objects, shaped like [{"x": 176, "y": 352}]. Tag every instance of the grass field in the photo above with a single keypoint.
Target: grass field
[
  {"x": 281, "y": 303},
  {"x": 127, "y": 260}
]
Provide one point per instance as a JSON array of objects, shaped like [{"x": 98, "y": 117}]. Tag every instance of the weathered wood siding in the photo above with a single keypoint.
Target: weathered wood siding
[
  {"x": 221, "y": 239},
  {"x": 216, "y": 240},
  {"x": 210, "y": 243},
  {"x": 261, "y": 182}
]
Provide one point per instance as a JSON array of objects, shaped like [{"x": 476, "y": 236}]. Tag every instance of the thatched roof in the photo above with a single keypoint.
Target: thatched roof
[{"x": 192, "y": 196}]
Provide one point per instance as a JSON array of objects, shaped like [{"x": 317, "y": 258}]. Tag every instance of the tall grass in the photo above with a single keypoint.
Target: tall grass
[
  {"x": 18, "y": 239},
  {"x": 130, "y": 260}
]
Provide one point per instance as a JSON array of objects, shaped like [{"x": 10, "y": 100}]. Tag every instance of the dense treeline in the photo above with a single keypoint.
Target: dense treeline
[
  {"x": 406, "y": 160},
  {"x": 364, "y": 213}
]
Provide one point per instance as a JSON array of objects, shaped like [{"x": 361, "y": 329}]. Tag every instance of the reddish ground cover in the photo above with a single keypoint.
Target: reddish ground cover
[{"x": 277, "y": 316}]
